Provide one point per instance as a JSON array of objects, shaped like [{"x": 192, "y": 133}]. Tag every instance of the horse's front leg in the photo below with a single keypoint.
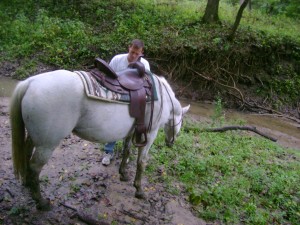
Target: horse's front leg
[
  {"x": 139, "y": 173},
  {"x": 141, "y": 163},
  {"x": 125, "y": 155}
]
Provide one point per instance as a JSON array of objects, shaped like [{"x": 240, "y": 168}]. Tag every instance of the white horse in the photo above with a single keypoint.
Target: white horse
[{"x": 46, "y": 108}]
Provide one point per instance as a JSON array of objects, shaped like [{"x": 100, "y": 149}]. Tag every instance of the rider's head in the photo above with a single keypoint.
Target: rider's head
[{"x": 135, "y": 50}]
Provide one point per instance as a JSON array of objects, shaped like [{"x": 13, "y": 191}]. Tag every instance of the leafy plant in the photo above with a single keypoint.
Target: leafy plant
[
  {"x": 218, "y": 115},
  {"x": 17, "y": 210},
  {"x": 74, "y": 188},
  {"x": 232, "y": 177}
]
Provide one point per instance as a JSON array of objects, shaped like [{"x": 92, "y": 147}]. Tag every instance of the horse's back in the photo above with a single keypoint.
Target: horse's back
[
  {"x": 54, "y": 80},
  {"x": 55, "y": 104}
]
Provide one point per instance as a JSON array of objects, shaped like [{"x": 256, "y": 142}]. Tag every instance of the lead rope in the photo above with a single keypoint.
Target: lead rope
[
  {"x": 161, "y": 99},
  {"x": 173, "y": 130}
]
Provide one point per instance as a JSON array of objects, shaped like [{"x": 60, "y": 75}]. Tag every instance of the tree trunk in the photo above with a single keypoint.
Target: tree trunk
[
  {"x": 238, "y": 19},
  {"x": 211, "y": 14},
  {"x": 249, "y": 4}
]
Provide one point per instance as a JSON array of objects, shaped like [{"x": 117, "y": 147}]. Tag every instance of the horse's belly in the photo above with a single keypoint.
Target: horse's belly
[{"x": 104, "y": 122}]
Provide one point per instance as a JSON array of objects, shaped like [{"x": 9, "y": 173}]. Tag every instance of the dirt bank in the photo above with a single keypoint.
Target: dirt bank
[{"x": 75, "y": 177}]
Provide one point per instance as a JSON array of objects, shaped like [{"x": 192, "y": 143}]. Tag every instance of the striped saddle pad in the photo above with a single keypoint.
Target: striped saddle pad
[{"x": 95, "y": 90}]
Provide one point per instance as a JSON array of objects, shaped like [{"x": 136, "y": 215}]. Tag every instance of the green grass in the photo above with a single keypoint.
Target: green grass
[
  {"x": 278, "y": 26},
  {"x": 58, "y": 42},
  {"x": 232, "y": 177},
  {"x": 66, "y": 38}
]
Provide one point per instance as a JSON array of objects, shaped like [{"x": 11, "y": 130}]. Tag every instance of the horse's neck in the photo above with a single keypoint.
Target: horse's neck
[{"x": 169, "y": 96}]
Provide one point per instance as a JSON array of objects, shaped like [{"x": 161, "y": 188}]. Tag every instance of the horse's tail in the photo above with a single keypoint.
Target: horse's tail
[{"x": 19, "y": 151}]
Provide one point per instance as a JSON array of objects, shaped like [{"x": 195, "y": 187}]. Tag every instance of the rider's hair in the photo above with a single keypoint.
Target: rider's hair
[{"x": 137, "y": 43}]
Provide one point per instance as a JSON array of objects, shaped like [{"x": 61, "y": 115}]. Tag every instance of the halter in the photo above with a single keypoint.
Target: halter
[{"x": 181, "y": 119}]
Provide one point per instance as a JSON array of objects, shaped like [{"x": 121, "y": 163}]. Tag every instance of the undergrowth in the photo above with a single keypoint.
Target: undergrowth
[
  {"x": 70, "y": 35},
  {"x": 231, "y": 177}
]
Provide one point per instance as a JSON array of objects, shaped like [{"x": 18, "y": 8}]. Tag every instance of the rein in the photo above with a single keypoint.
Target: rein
[{"x": 174, "y": 125}]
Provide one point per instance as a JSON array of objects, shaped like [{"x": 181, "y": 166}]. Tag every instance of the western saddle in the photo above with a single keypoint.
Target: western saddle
[{"x": 132, "y": 81}]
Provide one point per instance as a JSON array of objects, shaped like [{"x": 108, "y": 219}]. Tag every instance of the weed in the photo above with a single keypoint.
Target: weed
[
  {"x": 74, "y": 188},
  {"x": 218, "y": 116},
  {"x": 231, "y": 178},
  {"x": 17, "y": 210},
  {"x": 44, "y": 179}
]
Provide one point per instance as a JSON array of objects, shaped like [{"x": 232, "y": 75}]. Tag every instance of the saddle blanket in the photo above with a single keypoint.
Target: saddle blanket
[{"x": 95, "y": 90}]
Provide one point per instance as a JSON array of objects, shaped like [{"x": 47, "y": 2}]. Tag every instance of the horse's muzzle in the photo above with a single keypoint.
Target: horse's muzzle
[{"x": 170, "y": 143}]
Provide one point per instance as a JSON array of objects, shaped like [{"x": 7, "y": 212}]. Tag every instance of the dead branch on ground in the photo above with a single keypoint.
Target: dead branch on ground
[
  {"x": 10, "y": 193},
  {"x": 133, "y": 215},
  {"x": 83, "y": 216},
  {"x": 248, "y": 128}
]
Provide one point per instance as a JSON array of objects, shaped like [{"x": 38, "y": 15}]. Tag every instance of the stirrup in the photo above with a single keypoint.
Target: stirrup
[{"x": 136, "y": 139}]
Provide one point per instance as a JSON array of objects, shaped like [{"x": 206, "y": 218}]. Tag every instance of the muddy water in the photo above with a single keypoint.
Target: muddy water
[
  {"x": 268, "y": 121},
  {"x": 7, "y": 86},
  {"x": 286, "y": 131}
]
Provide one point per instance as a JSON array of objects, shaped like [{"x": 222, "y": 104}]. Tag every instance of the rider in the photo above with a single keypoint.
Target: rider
[{"x": 118, "y": 63}]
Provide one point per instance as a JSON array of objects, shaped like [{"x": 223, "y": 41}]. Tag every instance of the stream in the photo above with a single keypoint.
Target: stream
[{"x": 286, "y": 131}]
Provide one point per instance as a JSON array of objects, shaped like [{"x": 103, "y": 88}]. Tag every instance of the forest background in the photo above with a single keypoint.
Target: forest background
[{"x": 262, "y": 59}]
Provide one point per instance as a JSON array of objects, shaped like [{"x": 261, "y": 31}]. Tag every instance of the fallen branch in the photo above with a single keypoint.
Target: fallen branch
[
  {"x": 84, "y": 217},
  {"x": 131, "y": 214},
  {"x": 10, "y": 193},
  {"x": 248, "y": 128}
]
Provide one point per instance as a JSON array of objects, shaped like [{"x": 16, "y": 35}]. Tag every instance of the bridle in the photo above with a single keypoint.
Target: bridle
[{"x": 173, "y": 119}]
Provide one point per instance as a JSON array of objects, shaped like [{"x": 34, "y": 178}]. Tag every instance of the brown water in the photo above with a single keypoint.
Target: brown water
[
  {"x": 286, "y": 131},
  {"x": 7, "y": 86}
]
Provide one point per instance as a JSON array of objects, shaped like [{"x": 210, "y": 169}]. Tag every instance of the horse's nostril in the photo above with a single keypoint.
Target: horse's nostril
[{"x": 169, "y": 143}]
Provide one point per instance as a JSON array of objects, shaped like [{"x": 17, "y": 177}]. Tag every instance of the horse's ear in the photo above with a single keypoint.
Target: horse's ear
[{"x": 185, "y": 109}]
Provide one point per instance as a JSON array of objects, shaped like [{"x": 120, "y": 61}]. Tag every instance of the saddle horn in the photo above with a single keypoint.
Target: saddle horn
[{"x": 139, "y": 66}]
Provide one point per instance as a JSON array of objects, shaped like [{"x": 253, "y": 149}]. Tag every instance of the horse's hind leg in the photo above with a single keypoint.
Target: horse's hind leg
[
  {"x": 29, "y": 146},
  {"x": 125, "y": 155},
  {"x": 40, "y": 157}
]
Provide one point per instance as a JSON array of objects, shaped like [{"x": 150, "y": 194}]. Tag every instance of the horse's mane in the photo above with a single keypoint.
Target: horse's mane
[
  {"x": 167, "y": 85},
  {"x": 164, "y": 82}
]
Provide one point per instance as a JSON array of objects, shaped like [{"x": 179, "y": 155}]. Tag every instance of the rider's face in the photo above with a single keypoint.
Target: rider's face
[{"x": 134, "y": 53}]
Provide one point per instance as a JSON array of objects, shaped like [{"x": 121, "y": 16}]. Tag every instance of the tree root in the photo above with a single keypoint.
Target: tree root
[{"x": 241, "y": 99}]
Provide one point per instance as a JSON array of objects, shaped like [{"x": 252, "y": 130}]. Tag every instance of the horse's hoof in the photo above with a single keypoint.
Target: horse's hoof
[
  {"x": 43, "y": 205},
  {"x": 124, "y": 178},
  {"x": 140, "y": 195}
]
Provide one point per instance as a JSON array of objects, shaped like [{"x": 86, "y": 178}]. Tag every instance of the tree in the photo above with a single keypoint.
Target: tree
[
  {"x": 211, "y": 14},
  {"x": 249, "y": 4},
  {"x": 237, "y": 19},
  {"x": 290, "y": 8}
]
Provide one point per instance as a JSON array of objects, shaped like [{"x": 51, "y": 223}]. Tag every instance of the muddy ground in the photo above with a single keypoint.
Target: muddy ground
[{"x": 74, "y": 178}]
